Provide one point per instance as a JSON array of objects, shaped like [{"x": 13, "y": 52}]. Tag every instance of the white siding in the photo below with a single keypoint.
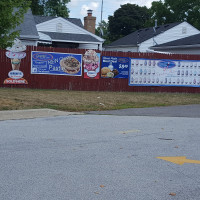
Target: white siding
[
  {"x": 29, "y": 42},
  {"x": 123, "y": 49},
  {"x": 174, "y": 33},
  {"x": 67, "y": 27},
  {"x": 88, "y": 46}
]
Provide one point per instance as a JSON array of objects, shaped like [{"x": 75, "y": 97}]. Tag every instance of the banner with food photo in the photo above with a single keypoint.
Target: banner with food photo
[
  {"x": 114, "y": 67},
  {"x": 56, "y": 63},
  {"x": 16, "y": 54},
  {"x": 164, "y": 72},
  {"x": 91, "y": 63}
]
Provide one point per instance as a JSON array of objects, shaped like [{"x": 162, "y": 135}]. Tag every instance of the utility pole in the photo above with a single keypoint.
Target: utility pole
[
  {"x": 101, "y": 29},
  {"x": 101, "y": 10}
]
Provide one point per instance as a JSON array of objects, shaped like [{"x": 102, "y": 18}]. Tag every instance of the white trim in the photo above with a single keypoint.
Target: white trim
[
  {"x": 43, "y": 42},
  {"x": 29, "y": 37},
  {"x": 161, "y": 52},
  {"x": 71, "y": 41},
  {"x": 177, "y": 47},
  {"x": 122, "y": 46}
]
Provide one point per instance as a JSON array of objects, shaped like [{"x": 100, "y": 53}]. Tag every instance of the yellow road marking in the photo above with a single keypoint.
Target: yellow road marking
[{"x": 179, "y": 160}]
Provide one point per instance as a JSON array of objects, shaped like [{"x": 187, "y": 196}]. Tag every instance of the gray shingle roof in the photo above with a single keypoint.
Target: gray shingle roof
[
  {"x": 191, "y": 40},
  {"x": 71, "y": 36},
  {"x": 41, "y": 19},
  {"x": 142, "y": 35},
  {"x": 29, "y": 31},
  {"x": 28, "y": 28}
]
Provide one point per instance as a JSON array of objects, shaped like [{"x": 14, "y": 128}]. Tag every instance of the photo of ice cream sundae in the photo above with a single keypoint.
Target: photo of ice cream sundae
[{"x": 91, "y": 64}]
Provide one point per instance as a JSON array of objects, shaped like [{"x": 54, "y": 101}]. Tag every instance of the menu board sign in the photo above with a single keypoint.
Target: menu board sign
[{"x": 155, "y": 72}]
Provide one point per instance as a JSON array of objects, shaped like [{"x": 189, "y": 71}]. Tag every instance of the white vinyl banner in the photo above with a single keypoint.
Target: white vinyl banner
[{"x": 155, "y": 72}]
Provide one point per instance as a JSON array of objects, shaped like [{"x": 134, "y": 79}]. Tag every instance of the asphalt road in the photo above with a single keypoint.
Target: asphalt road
[
  {"x": 167, "y": 111},
  {"x": 99, "y": 157}
]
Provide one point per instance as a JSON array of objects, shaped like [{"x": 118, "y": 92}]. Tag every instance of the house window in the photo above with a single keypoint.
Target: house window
[
  {"x": 184, "y": 30},
  {"x": 59, "y": 27}
]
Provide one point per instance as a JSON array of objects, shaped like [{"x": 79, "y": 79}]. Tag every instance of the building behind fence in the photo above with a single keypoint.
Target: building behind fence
[{"x": 79, "y": 83}]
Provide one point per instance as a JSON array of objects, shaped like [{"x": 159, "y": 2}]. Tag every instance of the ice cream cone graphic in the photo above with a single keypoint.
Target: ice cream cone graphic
[
  {"x": 15, "y": 63},
  {"x": 16, "y": 54}
]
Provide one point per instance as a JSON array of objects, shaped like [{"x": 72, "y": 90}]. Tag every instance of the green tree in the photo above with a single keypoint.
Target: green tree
[
  {"x": 159, "y": 12},
  {"x": 169, "y": 11},
  {"x": 50, "y": 8},
  {"x": 128, "y": 18},
  {"x": 102, "y": 31},
  {"x": 11, "y": 15},
  {"x": 57, "y": 8},
  {"x": 37, "y": 7}
]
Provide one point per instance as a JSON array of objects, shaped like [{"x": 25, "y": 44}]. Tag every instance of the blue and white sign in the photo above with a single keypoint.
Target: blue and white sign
[
  {"x": 154, "y": 72},
  {"x": 15, "y": 74},
  {"x": 56, "y": 63},
  {"x": 114, "y": 67}
]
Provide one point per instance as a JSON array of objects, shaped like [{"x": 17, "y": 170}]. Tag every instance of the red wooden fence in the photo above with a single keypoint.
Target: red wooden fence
[{"x": 79, "y": 83}]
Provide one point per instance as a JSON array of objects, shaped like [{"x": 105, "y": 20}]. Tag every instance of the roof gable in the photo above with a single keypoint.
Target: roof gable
[
  {"x": 68, "y": 26},
  {"x": 142, "y": 35}
]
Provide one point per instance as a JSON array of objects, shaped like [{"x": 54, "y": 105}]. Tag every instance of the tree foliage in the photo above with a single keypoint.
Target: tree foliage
[
  {"x": 128, "y": 18},
  {"x": 12, "y": 14},
  {"x": 56, "y": 8},
  {"x": 169, "y": 11},
  {"x": 37, "y": 7}
]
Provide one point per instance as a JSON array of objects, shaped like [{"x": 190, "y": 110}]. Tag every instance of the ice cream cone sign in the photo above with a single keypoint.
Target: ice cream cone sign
[{"x": 16, "y": 53}]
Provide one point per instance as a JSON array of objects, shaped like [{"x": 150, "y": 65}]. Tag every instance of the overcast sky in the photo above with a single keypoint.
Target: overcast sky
[{"x": 78, "y": 8}]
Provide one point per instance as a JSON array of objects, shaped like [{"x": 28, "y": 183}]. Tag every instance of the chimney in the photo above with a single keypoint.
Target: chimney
[{"x": 89, "y": 22}]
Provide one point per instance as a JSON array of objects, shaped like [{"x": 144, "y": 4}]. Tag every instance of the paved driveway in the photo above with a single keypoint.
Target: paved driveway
[{"x": 100, "y": 157}]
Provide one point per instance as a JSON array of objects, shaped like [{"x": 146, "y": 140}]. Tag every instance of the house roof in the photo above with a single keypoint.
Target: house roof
[
  {"x": 187, "y": 41},
  {"x": 41, "y": 19},
  {"x": 28, "y": 28},
  {"x": 142, "y": 35},
  {"x": 70, "y": 37}
]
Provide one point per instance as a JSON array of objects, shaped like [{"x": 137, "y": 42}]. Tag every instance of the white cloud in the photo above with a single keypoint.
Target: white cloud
[
  {"x": 92, "y": 5},
  {"x": 73, "y": 3},
  {"x": 137, "y": 2},
  {"x": 78, "y": 9}
]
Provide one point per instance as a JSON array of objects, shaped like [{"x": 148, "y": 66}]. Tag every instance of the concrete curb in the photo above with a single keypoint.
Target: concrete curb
[{"x": 33, "y": 113}]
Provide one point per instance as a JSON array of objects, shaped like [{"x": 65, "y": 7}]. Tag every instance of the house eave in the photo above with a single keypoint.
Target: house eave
[
  {"x": 30, "y": 37},
  {"x": 176, "y": 47},
  {"x": 85, "y": 42},
  {"x": 122, "y": 46}
]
